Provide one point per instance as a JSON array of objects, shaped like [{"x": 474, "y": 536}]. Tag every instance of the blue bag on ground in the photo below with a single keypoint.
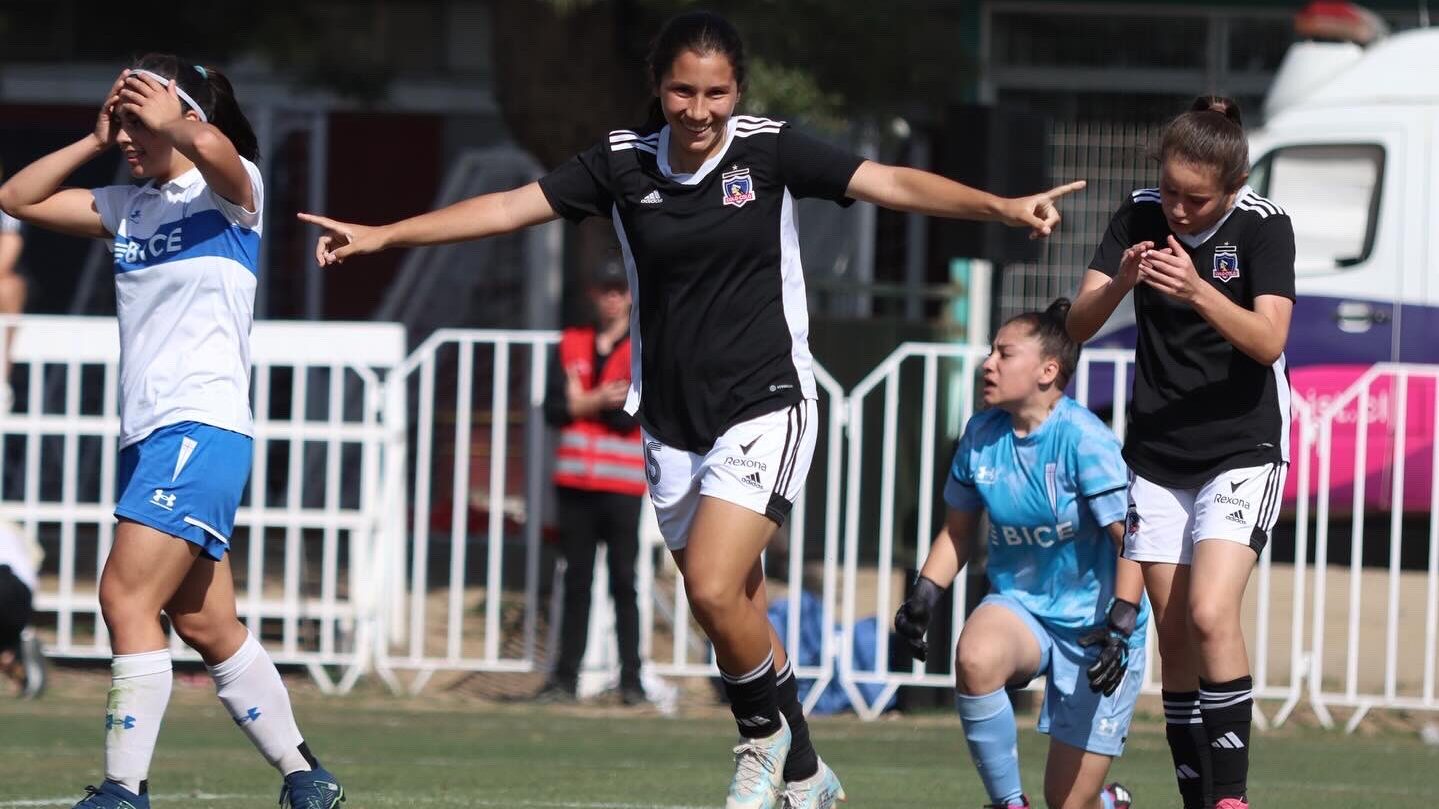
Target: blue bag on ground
[{"x": 811, "y": 641}]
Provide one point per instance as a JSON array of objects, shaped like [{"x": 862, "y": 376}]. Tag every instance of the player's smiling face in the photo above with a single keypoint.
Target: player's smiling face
[
  {"x": 147, "y": 154},
  {"x": 144, "y": 152},
  {"x": 1016, "y": 369},
  {"x": 698, "y": 95},
  {"x": 1192, "y": 196}
]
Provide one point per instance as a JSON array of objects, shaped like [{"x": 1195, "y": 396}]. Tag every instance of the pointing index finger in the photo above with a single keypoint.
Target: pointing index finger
[
  {"x": 314, "y": 219},
  {"x": 1063, "y": 190}
]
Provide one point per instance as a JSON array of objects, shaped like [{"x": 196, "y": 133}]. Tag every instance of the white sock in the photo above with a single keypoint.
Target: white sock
[
  {"x": 250, "y": 687},
  {"x": 139, "y": 691}
]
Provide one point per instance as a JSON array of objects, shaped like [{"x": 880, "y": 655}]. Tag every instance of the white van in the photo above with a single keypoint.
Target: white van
[{"x": 1353, "y": 162}]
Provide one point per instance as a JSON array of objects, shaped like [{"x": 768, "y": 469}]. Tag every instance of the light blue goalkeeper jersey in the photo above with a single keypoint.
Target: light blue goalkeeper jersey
[{"x": 1049, "y": 495}]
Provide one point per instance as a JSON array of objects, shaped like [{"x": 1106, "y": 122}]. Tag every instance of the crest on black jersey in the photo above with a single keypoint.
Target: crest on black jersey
[
  {"x": 738, "y": 187},
  {"x": 1226, "y": 262}
]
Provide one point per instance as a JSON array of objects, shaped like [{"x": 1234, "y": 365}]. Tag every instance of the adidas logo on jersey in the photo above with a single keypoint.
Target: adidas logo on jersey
[
  {"x": 1228, "y": 742},
  {"x": 1235, "y": 516},
  {"x": 653, "y": 198},
  {"x": 753, "y": 480}
]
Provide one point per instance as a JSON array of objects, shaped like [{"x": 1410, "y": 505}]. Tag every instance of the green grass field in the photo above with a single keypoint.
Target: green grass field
[{"x": 443, "y": 751}]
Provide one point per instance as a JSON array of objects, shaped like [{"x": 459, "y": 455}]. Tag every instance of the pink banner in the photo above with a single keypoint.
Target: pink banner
[{"x": 1321, "y": 386}]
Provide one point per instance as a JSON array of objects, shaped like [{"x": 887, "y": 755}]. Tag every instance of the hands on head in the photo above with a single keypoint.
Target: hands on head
[{"x": 156, "y": 105}]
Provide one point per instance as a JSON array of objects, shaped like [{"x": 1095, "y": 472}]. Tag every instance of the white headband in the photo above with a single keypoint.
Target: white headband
[{"x": 179, "y": 91}]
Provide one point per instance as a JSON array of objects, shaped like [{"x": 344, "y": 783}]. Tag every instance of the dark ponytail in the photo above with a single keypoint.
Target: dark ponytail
[
  {"x": 703, "y": 32},
  {"x": 1054, "y": 340},
  {"x": 212, "y": 92},
  {"x": 1210, "y": 133}
]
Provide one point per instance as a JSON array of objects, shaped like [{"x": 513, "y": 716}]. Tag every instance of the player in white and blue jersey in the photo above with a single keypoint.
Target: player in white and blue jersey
[
  {"x": 186, "y": 246},
  {"x": 1062, "y": 604}
]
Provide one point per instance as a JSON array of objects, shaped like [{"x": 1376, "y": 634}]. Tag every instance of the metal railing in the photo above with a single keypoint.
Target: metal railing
[{"x": 397, "y": 510}]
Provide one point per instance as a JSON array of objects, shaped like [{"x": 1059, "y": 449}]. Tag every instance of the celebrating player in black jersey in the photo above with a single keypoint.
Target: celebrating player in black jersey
[
  {"x": 722, "y": 379},
  {"x": 1211, "y": 265}
]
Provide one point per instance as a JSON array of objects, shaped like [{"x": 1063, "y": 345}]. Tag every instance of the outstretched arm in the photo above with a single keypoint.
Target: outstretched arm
[
  {"x": 473, "y": 218},
  {"x": 916, "y": 191}
]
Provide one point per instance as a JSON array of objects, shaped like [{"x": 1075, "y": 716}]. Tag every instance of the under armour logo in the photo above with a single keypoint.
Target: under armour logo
[
  {"x": 252, "y": 715},
  {"x": 1108, "y": 727},
  {"x": 163, "y": 499},
  {"x": 112, "y": 721}
]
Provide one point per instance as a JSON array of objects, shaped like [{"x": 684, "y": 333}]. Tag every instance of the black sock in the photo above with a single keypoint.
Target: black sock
[
  {"x": 1188, "y": 743},
  {"x": 802, "y": 762},
  {"x": 309, "y": 757},
  {"x": 1228, "y": 709},
  {"x": 752, "y": 700}
]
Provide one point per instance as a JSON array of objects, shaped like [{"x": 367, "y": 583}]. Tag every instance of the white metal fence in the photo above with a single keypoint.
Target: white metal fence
[
  {"x": 1389, "y": 645},
  {"x": 397, "y": 508},
  {"x": 306, "y": 529}
]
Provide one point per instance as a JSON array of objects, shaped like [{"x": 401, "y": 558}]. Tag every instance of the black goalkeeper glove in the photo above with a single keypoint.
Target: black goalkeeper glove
[
  {"x": 912, "y": 620},
  {"x": 1107, "y": 672}
]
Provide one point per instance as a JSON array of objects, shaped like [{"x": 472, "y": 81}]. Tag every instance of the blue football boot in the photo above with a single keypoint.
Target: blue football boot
[
  {"x": 311, "y": 789},
  {"x": 110, "y": 795}
]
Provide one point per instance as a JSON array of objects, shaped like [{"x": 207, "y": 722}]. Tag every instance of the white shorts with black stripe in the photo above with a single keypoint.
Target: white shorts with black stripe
[
  {"x": 760, "y": 464},
  {"x": 1239, "y": 505}
]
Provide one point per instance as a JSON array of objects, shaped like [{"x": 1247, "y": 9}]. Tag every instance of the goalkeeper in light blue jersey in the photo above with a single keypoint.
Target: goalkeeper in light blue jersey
[{"x": 1062, "y": 603}]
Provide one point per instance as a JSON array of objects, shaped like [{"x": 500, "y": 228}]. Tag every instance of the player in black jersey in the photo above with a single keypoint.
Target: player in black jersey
[
  {"x": 1211, "y": 266},
  {"x": 722, "y": 379}
]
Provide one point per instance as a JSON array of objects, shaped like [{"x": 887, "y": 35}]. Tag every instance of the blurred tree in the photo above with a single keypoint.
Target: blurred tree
[
  {"x": 565, "y": 71},
  {"x": 568, "y": 70}
]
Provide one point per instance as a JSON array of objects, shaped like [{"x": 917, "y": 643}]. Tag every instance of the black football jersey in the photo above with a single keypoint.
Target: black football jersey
[
  {"x": 1201, "y": 406},
  {"x": 720, "y": 324}
]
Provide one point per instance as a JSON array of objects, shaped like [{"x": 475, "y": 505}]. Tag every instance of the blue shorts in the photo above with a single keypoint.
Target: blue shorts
[
  {"x": 186, "y": 479},
  {"x": 1072, "y": 712}
]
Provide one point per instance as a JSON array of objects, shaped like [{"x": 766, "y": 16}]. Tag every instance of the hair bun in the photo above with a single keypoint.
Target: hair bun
[
  {"x": 1059, "y": 310},
  {"x": 1223, "y": 105}
]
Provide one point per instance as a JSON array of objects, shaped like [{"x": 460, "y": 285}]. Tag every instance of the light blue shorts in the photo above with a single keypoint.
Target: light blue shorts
[
  {"x": 1072, "y": 712},
  {"x": 186, "y": 479}
]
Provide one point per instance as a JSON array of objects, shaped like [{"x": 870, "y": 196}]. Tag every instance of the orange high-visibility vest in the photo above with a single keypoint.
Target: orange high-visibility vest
[{"x": 592, "y": 456}]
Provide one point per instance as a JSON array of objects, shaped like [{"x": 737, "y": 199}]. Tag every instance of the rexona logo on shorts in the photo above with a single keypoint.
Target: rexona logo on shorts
[
  {"x": 746, "y": 463},
  {"x": 1225, "y": 500}
]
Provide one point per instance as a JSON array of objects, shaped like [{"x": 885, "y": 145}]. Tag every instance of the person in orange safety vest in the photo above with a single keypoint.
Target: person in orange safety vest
[{"x": 599, "y": 480}]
